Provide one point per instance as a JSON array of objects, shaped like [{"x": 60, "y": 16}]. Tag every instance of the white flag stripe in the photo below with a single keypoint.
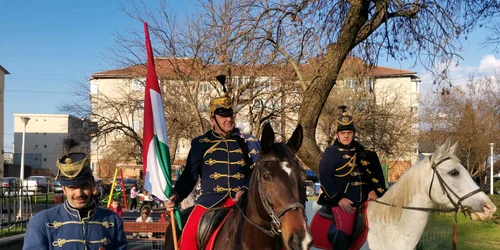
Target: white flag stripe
[
  {"x": 154, "y": 174},
  {"x": 158, "y": 116}
]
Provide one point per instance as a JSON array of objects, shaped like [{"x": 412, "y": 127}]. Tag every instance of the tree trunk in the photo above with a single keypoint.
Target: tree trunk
[{"x": 314, "y": 100}]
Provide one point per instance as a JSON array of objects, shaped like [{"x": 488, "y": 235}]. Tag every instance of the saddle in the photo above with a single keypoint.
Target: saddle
[
  {"x": 359, "y": 222},
  {"x": 209, "y": 222}
]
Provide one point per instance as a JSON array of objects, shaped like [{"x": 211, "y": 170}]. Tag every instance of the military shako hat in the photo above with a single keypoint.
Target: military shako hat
[
  {"x": 74, "y": 167},
  {"x": 345, "y": 121},
  {"x": 222, "y": 105}
]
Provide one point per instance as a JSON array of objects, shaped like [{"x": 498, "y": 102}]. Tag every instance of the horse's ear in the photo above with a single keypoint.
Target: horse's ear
[
  {"x": 296, "y": 140},
  {"x": 267, "y": 139},
  {"x": 447, "y": 144},
  {"x": 453, "y": 148}
]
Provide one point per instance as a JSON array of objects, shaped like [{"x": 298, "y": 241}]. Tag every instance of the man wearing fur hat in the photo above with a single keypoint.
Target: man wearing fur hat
[
  {"x": 349, "y": 176},
  {"x": 222, "y": 158},
  {"x": 78, "y": 223}
]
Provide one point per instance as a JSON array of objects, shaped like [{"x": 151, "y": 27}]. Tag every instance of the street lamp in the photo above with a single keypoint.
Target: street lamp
[
  {"x": 491, "y": 167},
  {"x": 25, "y": 120}
]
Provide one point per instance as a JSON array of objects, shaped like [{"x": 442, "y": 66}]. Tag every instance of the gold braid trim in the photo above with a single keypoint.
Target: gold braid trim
[
  {"x": 71, "y": 170},
  {"x": 351, "y": 163},
  {"x": 58, "y": 224},
  {"x": 60, "y": 242},
  {"x": 216, "y": 176},
  {"x": 219, "y": 189}
]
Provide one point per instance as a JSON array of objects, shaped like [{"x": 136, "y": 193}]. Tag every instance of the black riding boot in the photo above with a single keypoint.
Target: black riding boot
[{"x": 341, "y": 241}]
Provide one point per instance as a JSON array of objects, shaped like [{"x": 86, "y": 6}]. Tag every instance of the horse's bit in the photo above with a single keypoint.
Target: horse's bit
[
  {"x": 275, "y": 222},
  {"x": 446, "y": 190}
]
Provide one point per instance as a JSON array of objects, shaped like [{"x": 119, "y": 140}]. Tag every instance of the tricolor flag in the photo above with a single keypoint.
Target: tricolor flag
[{"x": 155, "y": 153}]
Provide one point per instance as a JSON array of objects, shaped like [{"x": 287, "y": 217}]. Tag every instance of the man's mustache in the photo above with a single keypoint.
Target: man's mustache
[{"x": 81, "y": 197}]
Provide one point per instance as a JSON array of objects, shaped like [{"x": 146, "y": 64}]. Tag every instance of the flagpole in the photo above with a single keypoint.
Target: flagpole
[
  {"x": 174, "y": 230},
  {"x": 154, "y": 125}
]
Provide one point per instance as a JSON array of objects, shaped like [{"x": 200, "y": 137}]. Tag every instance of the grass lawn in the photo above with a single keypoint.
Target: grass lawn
[
  {"x": 470, "y": 234},
  {"x": 6, "y": 232}
]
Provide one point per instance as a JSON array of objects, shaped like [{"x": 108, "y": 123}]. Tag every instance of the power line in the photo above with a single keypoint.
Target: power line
[
  {"x": 41, "y": 79},
  {"x": 36, "y": 91}
]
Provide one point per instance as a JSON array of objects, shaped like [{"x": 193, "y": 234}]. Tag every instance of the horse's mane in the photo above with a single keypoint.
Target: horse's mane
[{"x": 402, "y": 192}]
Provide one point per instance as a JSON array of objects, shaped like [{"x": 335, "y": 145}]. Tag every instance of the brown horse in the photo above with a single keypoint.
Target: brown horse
[{"x": 272, "y": 214}]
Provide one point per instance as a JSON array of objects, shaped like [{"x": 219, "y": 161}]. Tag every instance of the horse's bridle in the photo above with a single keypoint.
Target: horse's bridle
[
  {"x": 446, "y": 190},
  {"x": 275, "y": 222}
]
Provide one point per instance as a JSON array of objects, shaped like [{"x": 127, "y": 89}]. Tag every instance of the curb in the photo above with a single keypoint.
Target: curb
[{"x": 11, "y": 239}]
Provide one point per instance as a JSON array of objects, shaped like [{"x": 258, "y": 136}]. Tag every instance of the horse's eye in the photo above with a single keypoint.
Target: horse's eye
[
  {"x": 266, "y": 177},
  {"x": 453, "y": 172}
]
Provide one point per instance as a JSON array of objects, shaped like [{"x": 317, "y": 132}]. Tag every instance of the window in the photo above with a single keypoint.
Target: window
[
  {"x": 204, "y": 87},
  {"x": 136, "y": 126},
  {"x": 414, "y": 109},
  {"x": 415, "y": 87},
  {"x": 263, "y": 83},
  {"x": 351, "y": 83},
  {"x": 369, "y": 84},
  {"x": 138, "y": 83},
  {"x": 94, "y": 88}
]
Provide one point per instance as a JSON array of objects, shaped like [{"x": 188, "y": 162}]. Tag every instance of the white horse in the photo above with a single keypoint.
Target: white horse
[{"x": 398, "y": 219}]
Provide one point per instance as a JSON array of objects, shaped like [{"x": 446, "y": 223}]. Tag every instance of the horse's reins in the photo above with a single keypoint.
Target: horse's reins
[
  {"x": 275, "y": 222},
  {"x": 446, "y": 190}
]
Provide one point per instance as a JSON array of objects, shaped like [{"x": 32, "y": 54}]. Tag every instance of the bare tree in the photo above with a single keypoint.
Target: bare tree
[
  {"x": 383, "y": 122},
  {"x": 425, "y": 30},
  {"x": 311, "y": 38},
  {"x": 468, "y": 114}
]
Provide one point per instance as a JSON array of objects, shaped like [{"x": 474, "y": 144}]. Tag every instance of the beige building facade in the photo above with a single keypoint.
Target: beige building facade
[
  {"x": 44, "y": 138},
  {"x": 388, "y": 85}
]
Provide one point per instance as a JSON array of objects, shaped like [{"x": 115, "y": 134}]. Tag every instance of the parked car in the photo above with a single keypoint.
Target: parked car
[
  {"x": 9, "y": 186},
  {"x": 57, "y": 187},
  {"x": 311, "y": 175},
  {"x": 39, "y": 184},
  {"x": 310, "y": 188},
  {"x": 128, "y": 183}
]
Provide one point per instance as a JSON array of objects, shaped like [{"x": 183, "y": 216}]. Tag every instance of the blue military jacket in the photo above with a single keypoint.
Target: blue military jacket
[
  {"x": 348, "y": 172},
  {"x": 61, "y": 227},
  {"x": 221, "y": 165}
]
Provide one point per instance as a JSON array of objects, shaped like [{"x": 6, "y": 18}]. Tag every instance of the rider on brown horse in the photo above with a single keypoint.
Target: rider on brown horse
[{"x": 222, "y": 158}]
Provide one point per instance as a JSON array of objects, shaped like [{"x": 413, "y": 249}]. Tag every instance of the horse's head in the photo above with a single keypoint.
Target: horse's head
[
  {"x": 452, "y": 186},
  {"x": 278, "y": 189}
]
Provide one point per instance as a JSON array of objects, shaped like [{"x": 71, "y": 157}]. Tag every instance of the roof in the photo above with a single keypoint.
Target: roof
[
  {"x": 174, "y": 68},
  {"x": 4, "y": 70},
  {"x": 379, "y": 71}
]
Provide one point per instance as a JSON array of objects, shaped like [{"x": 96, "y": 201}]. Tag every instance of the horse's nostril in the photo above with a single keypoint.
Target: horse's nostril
[{"x": 487, "y": 208}]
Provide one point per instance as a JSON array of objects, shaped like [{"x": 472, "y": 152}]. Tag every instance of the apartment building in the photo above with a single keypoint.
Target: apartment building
[
  {"x": 44, "y": 138},
  {"x": 274, "y": 91},
  {"x": 3, "y": 72}
]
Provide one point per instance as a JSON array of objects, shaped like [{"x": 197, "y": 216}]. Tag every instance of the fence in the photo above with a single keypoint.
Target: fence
[
  {"x": 16, "y": 204},
  {"x": 156, "y": 230},
  {"x": 437, "y": 237}
]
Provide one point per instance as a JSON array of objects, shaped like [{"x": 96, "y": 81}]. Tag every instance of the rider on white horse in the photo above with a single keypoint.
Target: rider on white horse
[{"x": 349, "y": 176}]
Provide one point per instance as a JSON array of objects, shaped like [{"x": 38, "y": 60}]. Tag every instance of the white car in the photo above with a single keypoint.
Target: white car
[{"x": 39, "y": 184}]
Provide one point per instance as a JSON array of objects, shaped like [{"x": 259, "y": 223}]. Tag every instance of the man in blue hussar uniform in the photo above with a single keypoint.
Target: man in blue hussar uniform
[
  {"x": 349, "y": 175},
  {"x": 78, "y": 223},
  {"x": 223, "y": 159}
]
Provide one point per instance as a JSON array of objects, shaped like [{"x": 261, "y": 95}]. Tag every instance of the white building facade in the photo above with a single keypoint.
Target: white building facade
[{"x": 44, "y": 138}]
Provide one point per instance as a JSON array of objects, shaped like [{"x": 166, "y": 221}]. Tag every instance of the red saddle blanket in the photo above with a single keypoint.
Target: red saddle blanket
[{"x": 319, "y": 230}]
